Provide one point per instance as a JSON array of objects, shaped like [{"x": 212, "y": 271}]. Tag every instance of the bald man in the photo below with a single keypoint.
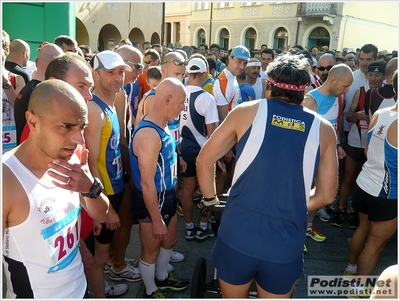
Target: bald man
[
  {"x": 154, "y": 168},
  {"x": 18, "y": 57},
  {"x": 324, "y": 101},
  {"x": 46, "y": 54},
  {"x": 44, "y": 187},
  {"x": 325, "y": 63}
]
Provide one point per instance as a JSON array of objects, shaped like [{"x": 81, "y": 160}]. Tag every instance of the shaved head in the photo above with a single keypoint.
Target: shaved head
[
  {"x": 51, "y": 93},
  {"x": 173, "y": 56},
  {"x": 19, "y": 46},
  {"x": 46, "y": 54},
  {"x": 339, "y": 71}
]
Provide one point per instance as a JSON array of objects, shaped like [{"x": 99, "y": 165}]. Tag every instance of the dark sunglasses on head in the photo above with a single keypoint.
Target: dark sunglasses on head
[
  {"x": 138, "y": 66},
  {"x": 177, "y": 62},
  {"x": 320, "y": 68},
  {"x": 148, "y": 62}
]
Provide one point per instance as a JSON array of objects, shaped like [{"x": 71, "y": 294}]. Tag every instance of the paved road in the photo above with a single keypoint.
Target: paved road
[{"x": 327, "y": 258}]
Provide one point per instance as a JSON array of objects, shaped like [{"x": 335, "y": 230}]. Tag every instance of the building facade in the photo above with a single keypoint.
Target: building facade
[
  {"x": 97, "y": 22},
  {"x": 344, "y": 25}
]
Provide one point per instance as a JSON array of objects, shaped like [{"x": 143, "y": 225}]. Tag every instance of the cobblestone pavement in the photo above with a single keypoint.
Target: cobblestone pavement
[{"x": 326, "y": 258}]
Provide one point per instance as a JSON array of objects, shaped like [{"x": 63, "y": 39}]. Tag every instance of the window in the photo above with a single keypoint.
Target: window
[
  {"x": 250, "y": 3},
  {"x": 224, "y": 4},
  {"x": 201, "y": 37},
  {"x": 224, "y": 39},
  {"x": 201, "y": 5}
]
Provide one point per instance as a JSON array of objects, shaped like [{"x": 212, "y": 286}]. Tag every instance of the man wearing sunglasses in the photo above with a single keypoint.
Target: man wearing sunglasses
[
  {"x": 325, "y": 63},
  {"x": 151, "y": 58}
]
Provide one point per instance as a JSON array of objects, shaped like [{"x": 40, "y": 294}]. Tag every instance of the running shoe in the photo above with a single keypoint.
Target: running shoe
[
  {"x": 132, "y": 261},
  {"x": 172, "y": 283},
  {"x": 128, "y": 273},
  {"x": 354, "y": 220},
  {"x": 157, "y": 294},
  {"x": 338, "y": 218},
  {"x": 114, "y": 290},
  {"x": 305, "y": 250},
  {"x": 190, "y": 233},
  {"x": 323, "y": 215},
  {"x": 201, "y": 234},
  {"x": 314, "y": 234},
  {"x": 177, "y": 257}
]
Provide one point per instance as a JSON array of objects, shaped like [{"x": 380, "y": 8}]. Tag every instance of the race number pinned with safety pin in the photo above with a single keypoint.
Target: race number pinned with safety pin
[{"x": 63, "y": 240}]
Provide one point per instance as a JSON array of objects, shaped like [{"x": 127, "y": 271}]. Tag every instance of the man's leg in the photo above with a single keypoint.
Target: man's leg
[
  {"x": 148, "y": 256},
  {"x": 96, "y": 274},
  {"x": 352, "y": 169},
  {"x": 264, "y": 294},
  {"x": 189, "y": 184},
  {"x": 122, "y": 234},
  {"x": 359, "y": 238},
  {"x": 234, "y": 291},
  {"x": 378, "y": 236}
]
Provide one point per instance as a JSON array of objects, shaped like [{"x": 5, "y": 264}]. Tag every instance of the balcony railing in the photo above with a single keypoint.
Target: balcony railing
[{"x": 316, "y": 9}]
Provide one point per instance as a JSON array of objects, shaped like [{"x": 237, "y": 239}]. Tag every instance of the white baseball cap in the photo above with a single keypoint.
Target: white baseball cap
[
  {"x": 196, "y": 65},
  {"x": 109, "y": 60}
]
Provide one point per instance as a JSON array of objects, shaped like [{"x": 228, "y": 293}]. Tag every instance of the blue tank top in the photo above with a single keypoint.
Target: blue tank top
[
  {"x": 166, "y": 169},
  {"x": 109, "y": 162},
  {"x": 266, "y": 212}
]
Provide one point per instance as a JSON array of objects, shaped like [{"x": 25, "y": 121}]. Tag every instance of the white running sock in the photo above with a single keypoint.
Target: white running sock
[
  {"x": 352, "y": 267},
  {"x": 162, "y": 263},
  {"x": 190, "y": 226},
  {"x": 147, "y": 271},
  {"x": 203, "y": 225}
]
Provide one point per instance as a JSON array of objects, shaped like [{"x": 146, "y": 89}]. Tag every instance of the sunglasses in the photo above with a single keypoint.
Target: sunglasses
[
  {"x": 138, "y": 66},
  {"x": 177, "y": 62},
  {"x": 320, "y": 68},
  {"x": 148, "y": 62}
]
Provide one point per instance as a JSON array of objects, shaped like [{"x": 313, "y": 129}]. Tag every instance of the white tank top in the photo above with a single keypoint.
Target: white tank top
[{"x": 41, "y": 255}]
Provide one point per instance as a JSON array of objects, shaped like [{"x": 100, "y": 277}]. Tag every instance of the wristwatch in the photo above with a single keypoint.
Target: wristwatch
[
  {"x": 7, "y": 85},
  {"x": 95, "y": 191}
]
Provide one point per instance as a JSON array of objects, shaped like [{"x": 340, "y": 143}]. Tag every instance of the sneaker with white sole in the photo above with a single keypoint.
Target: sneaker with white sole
[
  {"x": 170, "y": 268},
  {"x": 201, "y": 234},
  {"x": 315, "y": 234},
  {"x": 177, "y": 257},
  {"x": 132, "y": 261},
  {"x": 323, "y": 215},
  {"x": 128, "y": 273},
  {"x": 172, "y": 283},
  {"x": 112, "y": 290}
]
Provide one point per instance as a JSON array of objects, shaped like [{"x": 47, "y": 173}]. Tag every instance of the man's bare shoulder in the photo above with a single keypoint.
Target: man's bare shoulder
[{"x": 13, "y": 197}]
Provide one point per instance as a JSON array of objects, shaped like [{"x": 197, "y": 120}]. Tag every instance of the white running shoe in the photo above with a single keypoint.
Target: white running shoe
[
  {"x": 132, "y": 261},
  {"x": 114, "y": 290},
  {"x": 323, "y": 215},
  {"x": 128, "y": 273},
  {"x": 177, "y": 257}
]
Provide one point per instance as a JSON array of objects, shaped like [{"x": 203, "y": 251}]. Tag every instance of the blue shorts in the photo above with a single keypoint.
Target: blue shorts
[
  {"x": 168, "y": 209},
  {"x": 237, "y": 268}
]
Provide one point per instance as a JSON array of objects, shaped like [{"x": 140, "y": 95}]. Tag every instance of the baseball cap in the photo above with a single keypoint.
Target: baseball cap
[
  {"x": 109, "y": 60},
  {"x": 240, "y": 52},
  {"x": 377, "y": 66},
  {"x": 196, "y": 65}
]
